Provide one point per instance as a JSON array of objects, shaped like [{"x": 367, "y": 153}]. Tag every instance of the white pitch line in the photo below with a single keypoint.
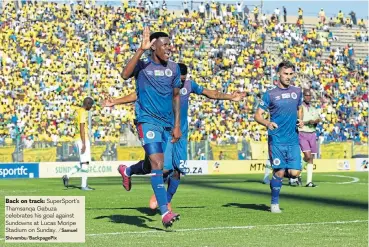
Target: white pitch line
[
  {"x": 354, "y": 179},
  {"x": 227, "y": 228}
]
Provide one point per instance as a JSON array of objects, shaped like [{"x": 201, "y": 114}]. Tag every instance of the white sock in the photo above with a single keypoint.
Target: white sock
[
  {"x": 309, "y": 173},
  {"x": 267, "y": 170},
  {"x": 73, "y": 170},
  {"x": 84, "y": 171}
]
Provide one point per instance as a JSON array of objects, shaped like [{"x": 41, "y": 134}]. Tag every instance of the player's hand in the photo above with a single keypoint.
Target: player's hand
[
  {"x": 272, "y": 126},
  {"x": 108, "y": 103},
  {"x": 176, "y": 134},
  {"x": 146, "y": 44},
  {"x": 311, "y": 122},
  {"x": 237, "y": 96},
  {"x": 83, "y": 148},
  {"x": 300, "y": 123}
]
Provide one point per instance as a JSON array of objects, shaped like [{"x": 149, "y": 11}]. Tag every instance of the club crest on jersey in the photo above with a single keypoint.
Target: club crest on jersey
[
  {"x": 183, "y": 91},
  {"x": 159, "y": 73},
  {"x": 276, "y": 162},
  {"x": 294, "y": 95},
  {"x": 150, "y": 135},
  {"x": 168, "y": 72}
]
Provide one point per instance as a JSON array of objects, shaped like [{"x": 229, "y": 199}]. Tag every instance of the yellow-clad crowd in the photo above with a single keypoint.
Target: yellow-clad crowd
[{"x": 48, "y": 52}]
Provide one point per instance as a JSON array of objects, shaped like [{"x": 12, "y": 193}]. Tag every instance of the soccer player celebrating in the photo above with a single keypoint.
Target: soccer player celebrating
[
  {"x": 157, "y": 90},
  {"x": 179, "y": 148},
  {"x": 284, "y": 105},
  {"x": 307, "y": 136},
  {"x": 83, "y": 144}
]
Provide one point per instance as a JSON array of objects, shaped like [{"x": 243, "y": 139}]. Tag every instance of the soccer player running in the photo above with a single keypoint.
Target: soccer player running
[
  {"x": 284, "y": 105},
  {"x": 83, "y": 143},
  {"x": 157, "y": 90},
  {"x": 176, "y": 168},
  {"x": 307, "y": 136}
]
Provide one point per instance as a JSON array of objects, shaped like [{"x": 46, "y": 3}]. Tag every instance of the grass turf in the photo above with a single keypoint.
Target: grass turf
[{"x": 224, "y": 210}]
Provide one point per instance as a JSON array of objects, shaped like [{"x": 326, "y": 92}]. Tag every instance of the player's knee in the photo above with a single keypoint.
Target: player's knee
[
  {"x": 157, "y": 164},
  {"x": 176, "y": 175},
  {"x": 294, "y": 173},
  {"x": 279, "y": 172}
]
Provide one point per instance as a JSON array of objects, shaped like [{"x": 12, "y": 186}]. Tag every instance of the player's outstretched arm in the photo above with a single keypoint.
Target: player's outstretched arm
[
  {"x": 145, "y": 45},
  {"x": 261, "y": 120},
  {"x": 176, "y": 109},
  {"x": 214, "y": 94},
  {"x": 123, "y": 100}
]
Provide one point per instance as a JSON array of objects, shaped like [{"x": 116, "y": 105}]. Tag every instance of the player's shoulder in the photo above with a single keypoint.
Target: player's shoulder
[
  {"x": 271, "y": 89},
  {"x": 145, "y": 61}
]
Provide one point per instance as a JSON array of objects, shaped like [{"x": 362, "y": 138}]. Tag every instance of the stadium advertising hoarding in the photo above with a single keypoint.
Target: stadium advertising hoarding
[
  {"x": 195, "y": 167},
  {"x": 95, "y": 169},
  {"x": 109, "y": 168},
  {"x": 258, "y": 166},
  {"x": 362, "y": 165},
  {"x": 19, "y": 170}
]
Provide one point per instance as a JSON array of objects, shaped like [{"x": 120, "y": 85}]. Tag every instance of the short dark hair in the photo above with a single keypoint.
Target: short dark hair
[
  {"x": 182, "y": 68},
  {"x": 88, "y": 101},
  {"x": 287, "y": 65},
  {"x": 157, "y": 35}
]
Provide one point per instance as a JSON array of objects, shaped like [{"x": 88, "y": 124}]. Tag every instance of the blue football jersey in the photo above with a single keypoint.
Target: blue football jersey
[
  {"x": 188, "y": 88},
  {"x": 283, "y": 105},
  {"x": 154, "y": 89}
]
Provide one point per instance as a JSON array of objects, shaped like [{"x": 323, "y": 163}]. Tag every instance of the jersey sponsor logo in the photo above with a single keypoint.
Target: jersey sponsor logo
[
  {"x": 150, "y": 135},
  {"x": 286, "y": 96},
  {"x": 168, "y": 72},
  {"x": 150, "y": 72},
  {"x": 159, "y": 73},
  {"x": 183, "y": 91},
  {"x": 276, "y": 162},
  {"x": 294, "y": 95}
]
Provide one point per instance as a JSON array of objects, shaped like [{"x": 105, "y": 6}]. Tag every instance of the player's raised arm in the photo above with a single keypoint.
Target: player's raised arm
[
  {"x": 145, "y": 45},
  {"x": 214, "y": 94},
  {"x": 123, "y": 100}
]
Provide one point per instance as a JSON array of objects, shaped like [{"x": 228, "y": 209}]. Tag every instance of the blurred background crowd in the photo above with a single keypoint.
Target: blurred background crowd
[{"x": 52, "y": 55}]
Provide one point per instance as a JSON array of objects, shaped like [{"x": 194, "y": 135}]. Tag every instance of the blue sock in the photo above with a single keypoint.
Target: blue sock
[
  {"x": 157, "y": 184},
  {"x": 172, "y": 188},
  {"x": 136, "y": 169},
  {"x": 275, "y": 186}
]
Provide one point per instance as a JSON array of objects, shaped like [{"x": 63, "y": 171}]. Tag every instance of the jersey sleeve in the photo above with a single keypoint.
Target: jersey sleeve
[
  {"x": 138, "y": 68},
  {"x": 196, "y": 88},
  {"x": 265, "y": 102},
  {"x": 300, "y": 100},
  {"x": 177, "y": 78}
]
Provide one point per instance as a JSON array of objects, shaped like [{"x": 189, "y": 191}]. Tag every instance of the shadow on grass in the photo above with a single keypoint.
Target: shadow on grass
[
  {"x": 140, "y": 221},
  {"x": 143, "y": 210},
  {"x": 260, "y": 207},
  {"x": 298, "y": 197}
]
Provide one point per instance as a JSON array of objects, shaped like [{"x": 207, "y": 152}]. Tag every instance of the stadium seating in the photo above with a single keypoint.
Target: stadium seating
[{"x": 45, "y": 49}]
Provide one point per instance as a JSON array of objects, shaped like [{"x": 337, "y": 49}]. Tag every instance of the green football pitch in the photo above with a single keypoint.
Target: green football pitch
[{"x": 218, "y": 210}]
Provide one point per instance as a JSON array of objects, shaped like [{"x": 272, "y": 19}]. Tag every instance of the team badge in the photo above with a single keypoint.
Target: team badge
[
  {"x": 168, "y": 72},
  {"x": 183, "y": 91},
  {"x": 294, "y": 95},
  {"x": 276, "y": 162},
  {"x": 150, "y": 135}
]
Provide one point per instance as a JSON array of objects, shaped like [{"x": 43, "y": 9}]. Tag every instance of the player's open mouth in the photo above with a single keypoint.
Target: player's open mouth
[{"x": 167, "y": 54}]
